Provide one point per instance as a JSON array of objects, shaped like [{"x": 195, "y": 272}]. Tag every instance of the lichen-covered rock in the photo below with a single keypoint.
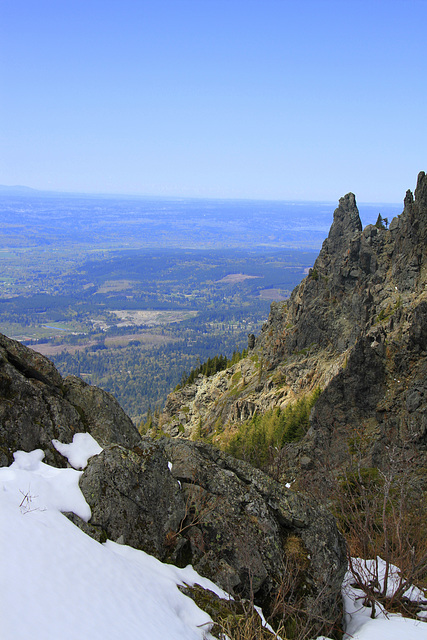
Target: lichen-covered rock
[
  {"x": 32, "y": 406},
  {"x": 37, "y": 405},
  {"x": 186, "y": 502},
  {"x": 133, "y": 497},
  {"x": 242, "y": 525}
]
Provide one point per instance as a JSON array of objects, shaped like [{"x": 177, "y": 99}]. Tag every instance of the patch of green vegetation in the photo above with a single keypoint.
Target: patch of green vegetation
[
  {"x": 381, "y": 223},
  {"x": 279, "y": 378},
  {"x": 386, "y": 313},
  {"x": 212, "y": 366},
  {"x": 273, "y": 429},
  {"x": 219, "y": 425},
  {"x": 236, "y": 377},
  {"x": 197, "y": 433},
  {"x": 232, "y": 619},
  {"x": 303, "y": 352},
  {"x": 235, "y": 391}
]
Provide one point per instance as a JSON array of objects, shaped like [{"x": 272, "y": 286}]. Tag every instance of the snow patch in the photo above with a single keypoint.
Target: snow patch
[
  {"x": 57, "y": 582},
  {"x": 385, "y": 626},
  {"x": 83, "y": 447},
  {"x": 42, "y": 487}
]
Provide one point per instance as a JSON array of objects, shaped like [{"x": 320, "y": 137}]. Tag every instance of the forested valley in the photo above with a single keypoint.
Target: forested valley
[
  {"x": 134, "y": 294},
  {"x": 137, "y": 322}
]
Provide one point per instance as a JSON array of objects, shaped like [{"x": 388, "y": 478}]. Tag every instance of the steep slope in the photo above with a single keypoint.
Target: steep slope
[{"x": 355, "y": 327}]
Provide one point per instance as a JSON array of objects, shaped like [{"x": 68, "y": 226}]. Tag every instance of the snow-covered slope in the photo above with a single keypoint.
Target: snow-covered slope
[{"x": 58, "y": 583}]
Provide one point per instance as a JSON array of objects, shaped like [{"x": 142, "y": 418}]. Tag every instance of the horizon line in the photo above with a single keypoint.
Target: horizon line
[{"x": 5, "y": 189}]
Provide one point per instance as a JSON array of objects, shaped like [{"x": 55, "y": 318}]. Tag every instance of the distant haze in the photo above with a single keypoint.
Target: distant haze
[{"x": 31, "y": 218}]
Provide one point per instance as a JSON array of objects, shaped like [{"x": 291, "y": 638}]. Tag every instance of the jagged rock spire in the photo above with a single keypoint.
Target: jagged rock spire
[
  {"x": 345, "y": 227},
  {"x": 421, "y": 190},
  {"x": 346, "y": 219},
  {"x": 409, "y": 199}
]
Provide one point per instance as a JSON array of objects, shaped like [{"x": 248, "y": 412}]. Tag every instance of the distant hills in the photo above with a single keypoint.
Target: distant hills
[{"x": 18, "y": 189}]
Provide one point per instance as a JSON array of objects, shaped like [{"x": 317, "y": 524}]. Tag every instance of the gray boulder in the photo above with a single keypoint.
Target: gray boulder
[
  {"x": 101, "y": 413},
  {"x": 38, "y": 405},
  {"x": 186, "y": 502},
  {"x": 133, "y": 497}
]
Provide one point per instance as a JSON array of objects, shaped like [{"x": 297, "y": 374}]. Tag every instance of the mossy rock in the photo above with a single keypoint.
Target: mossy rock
[{"x": 231, "y": 618}]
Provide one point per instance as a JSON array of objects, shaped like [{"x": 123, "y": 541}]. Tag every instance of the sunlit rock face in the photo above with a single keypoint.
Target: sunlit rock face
[{"x": 356, "y": 328}]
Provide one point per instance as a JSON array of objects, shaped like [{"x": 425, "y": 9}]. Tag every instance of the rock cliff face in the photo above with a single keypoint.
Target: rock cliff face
[{"x": 356, "y": 327}]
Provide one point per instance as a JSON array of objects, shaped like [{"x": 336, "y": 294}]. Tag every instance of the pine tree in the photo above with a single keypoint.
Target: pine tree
[{"x": 379, "y": 223}]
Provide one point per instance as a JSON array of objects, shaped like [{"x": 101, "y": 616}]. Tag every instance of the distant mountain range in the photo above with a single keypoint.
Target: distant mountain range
[{"x": 18, "y": 189}]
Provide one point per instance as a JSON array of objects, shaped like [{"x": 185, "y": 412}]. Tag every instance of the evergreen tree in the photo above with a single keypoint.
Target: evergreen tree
[{"x": 380, "y": 223}]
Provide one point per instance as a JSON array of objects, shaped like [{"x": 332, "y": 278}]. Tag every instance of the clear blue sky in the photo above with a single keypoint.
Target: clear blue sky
[{"x": 270, "y": 99}]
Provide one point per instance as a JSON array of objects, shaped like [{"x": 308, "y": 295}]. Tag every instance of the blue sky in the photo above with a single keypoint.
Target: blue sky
[{"x": 269, "y": 99}]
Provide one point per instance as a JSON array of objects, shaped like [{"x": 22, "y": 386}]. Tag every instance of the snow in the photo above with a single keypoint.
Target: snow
[
  {"x": 36, "y": 486},
  {"x": 360, "y": 626},
  {"x": 57, "y": 582},
  {"x": 79, "y": 451},
  {"x": 369, "y": 569}
]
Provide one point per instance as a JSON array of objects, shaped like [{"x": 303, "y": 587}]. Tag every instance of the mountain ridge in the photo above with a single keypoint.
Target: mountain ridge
[{"x": 355, "y": 327}]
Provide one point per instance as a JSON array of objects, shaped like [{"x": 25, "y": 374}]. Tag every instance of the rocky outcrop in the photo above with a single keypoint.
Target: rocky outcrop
[
  {"x": 134, "y": 499},
  {"x": 101, "y": 413},
  {"x": 358, "y": 278},
  {"x": 181, "y": 501},
  {"x": 379, "y": 392},
  {"x": 355, "y": 327},
  {"x": 187, "y": 502},
  {"x": 38, "y": 405}
]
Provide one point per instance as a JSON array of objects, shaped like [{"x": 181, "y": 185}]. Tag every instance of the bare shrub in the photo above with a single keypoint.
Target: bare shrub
[
  {"x": 382, "y": 514},
  {"x": 26, "y": 505},
  {"x": 198, "y": 505},
  {"x": 298, "y": 611}
]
